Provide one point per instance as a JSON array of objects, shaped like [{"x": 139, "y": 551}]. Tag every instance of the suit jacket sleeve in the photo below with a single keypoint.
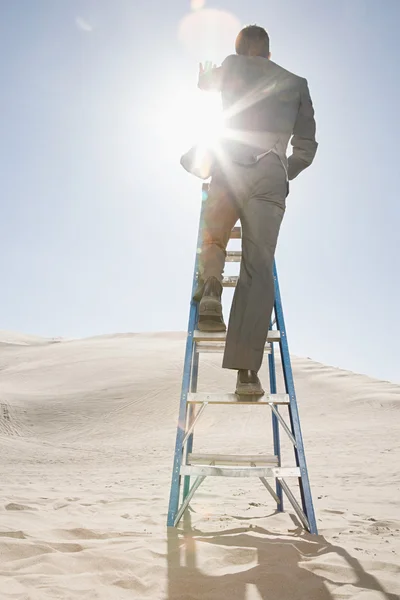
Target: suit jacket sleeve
[{"x": 303, "y": 140}]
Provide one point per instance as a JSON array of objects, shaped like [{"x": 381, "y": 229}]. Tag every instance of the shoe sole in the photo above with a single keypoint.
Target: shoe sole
[
  {"x": 210, "y": 315},
  {"x": 249, "y": 398},
  {"x": 210, "y": 307},
  {"x": 249, "y": 389},
  {"x": 209, "y": 325}
]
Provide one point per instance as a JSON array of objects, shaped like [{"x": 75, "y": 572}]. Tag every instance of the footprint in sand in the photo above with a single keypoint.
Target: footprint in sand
[
  {"x": 334, "y": 512},
  {"x": 13, "y": 534},
  {"x": 15, "y": 506}
]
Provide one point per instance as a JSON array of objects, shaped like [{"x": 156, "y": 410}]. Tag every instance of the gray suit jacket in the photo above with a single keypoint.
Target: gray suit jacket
[{"x": 265, "y": 107}]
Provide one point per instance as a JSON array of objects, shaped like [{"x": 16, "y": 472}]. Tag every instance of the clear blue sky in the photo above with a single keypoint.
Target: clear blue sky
[{"x": 99, "y": 221}]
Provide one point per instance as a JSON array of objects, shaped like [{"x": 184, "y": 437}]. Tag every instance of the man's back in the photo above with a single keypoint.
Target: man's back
[{"x": 264, "y": 105}]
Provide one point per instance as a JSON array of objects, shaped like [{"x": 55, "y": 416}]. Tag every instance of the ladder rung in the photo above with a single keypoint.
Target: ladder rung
[
  {"x": 209, "y": 471},
  {"x": 231, "y": 459},
  {"x": 219, "y": 336},
  {"x": 201, "y": 397},
  {"x": 230, "y": 281},
  {"x": 219, "y": 347},
  {"x": 233, "y": 256},
  {"x": 236, "y": 233}
]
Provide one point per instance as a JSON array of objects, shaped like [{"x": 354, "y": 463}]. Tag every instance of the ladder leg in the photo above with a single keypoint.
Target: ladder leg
[
  {"x": 275, "y": 424},
  {"x": 304, "y": 483},
  {"x": 189, "y": 445},
  {"x": 199, "y": 480},
  {"x": 180, "y": 434},
  {"x": 189, "y": 448},
  {"x": 186, "y": 380}
]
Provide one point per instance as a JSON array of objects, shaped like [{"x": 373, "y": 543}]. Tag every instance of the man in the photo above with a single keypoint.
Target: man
[{"x": 264, "y": 106}]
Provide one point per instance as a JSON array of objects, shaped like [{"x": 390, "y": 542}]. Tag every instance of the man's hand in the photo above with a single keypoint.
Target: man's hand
[
  {"x": 207, "y": 67},
  {"x": 303, "y": 140},
  {"x": 209, "y": 77}
]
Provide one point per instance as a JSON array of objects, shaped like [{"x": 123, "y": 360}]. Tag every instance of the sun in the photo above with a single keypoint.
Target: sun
[
  {"x": 190, "y": 117},
  {"x": 208, "y": 118}
]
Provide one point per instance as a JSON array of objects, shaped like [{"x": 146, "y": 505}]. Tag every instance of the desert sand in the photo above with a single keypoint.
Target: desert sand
[{"x": 87, "y": 433}]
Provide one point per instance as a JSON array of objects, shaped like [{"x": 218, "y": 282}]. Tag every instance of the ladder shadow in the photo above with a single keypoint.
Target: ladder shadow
[{"x": 277, "y": 572}]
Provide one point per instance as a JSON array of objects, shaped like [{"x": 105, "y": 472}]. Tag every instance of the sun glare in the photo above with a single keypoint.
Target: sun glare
[
  {"x": 189, "y": 118},
  {"x": 209, "y": 125}
]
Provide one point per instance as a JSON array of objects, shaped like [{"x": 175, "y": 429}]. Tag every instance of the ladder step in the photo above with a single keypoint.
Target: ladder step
[
  {"x": 231, "y": 459},
  {"x": 233, "y": 256},
  {"x": 230, "y": 281},
  {"x": 236, "y": 233},
  {"x": 219, "y": 347},
  {"x": 201, "y": 397},
  {"x": 219, "y": 336},
  {"x": 210, "y": 471}
]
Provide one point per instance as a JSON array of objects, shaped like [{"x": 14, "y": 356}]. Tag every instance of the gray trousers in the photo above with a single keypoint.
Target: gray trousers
[{"x": 255, "y": 194}]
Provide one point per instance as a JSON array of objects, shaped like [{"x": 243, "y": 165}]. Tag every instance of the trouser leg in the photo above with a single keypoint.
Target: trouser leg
[
  {"x": 219, "y": 217},
  {"x": 261, "y": 214}
]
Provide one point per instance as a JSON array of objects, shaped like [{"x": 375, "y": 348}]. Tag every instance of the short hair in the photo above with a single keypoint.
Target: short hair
[{"x": 252, "y": 41}]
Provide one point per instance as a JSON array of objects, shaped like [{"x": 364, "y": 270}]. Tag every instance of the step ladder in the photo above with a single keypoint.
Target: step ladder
[{"x": 188, "y": 464}]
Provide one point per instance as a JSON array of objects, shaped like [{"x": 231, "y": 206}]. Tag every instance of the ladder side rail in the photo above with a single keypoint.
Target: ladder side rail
[
  {"x": 304, "y": 483},
  {"x": 275, "y": 423},
  {"x": 189, "y": 444},
  {"x": 187, "y": 371}
]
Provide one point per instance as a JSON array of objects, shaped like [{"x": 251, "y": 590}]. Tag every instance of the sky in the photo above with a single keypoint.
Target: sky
[{"x": 99, "y": 220}]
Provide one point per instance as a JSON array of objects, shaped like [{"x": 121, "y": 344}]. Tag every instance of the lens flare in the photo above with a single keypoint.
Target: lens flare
[
  {"x": 209, "y": 34},
  {"x": 197, "y": 4}
]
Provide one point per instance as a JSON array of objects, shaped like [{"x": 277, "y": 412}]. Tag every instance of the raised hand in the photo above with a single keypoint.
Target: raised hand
[
  {"x": 209, "y": 76},
  {"x": 208, "y": 66}
]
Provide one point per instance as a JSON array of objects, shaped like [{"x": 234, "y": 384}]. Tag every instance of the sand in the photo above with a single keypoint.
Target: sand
[{"x": 87, "y": 432}]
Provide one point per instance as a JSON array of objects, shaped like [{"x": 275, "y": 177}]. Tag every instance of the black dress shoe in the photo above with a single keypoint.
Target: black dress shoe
[{"x": 248, "y": 384}]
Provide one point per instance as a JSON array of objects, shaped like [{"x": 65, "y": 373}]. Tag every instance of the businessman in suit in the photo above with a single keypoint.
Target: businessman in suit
[{"x": 265, "y": 107}]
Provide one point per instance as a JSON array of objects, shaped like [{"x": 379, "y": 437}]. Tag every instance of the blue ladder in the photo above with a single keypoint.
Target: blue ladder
[{"x": 187, "y": 464}]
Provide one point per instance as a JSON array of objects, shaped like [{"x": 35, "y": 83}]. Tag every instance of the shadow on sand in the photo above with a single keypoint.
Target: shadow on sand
[{"x": 280, "y": 571}]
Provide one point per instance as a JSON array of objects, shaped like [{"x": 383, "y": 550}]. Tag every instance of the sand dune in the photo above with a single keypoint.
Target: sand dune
[
  {"x": 21, "y": 339},
  {"x": 87, "y": 431}
]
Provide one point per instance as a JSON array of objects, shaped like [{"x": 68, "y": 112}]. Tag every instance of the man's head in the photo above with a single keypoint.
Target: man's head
[{"x": 253, "y": 41}]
